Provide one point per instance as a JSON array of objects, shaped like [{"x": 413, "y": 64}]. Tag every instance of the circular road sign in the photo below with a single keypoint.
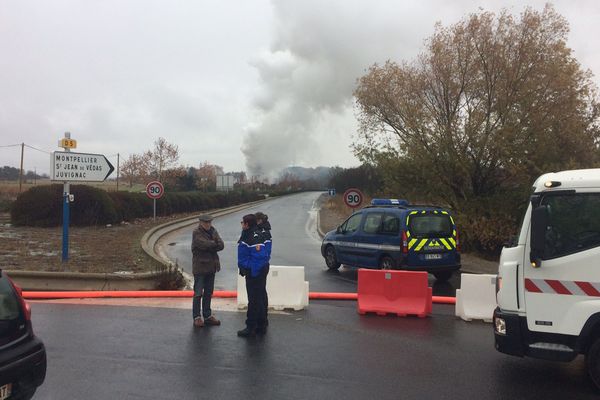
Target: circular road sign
[
  {"x": 353, "y": 198},
  {"x": 155, "y": 190}
]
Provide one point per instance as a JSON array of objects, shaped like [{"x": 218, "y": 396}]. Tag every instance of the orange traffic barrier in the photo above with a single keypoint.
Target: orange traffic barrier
[
  {"x": 396, "y": 292},
  {"x": 121, "y": 294},
  {"x": 187, "y": 293}
]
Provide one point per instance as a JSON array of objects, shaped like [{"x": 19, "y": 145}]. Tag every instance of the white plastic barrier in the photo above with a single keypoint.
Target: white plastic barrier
[
  {"x": 476, "y": 298},
  {"x": 286, "y": 288}
]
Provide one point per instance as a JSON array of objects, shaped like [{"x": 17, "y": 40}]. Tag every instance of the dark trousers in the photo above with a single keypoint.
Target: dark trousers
[
  {"x": 204, "y": 285},
  {"x": 256, "y": 288}
]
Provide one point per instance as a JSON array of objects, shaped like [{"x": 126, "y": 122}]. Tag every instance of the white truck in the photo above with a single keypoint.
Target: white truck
[{"x": 548, "y": 286}]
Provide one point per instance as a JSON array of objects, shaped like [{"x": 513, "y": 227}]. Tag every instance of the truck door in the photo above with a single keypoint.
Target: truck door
[
  {"x": 565, "y": 289},
  {"x": 347, "y": 240}
]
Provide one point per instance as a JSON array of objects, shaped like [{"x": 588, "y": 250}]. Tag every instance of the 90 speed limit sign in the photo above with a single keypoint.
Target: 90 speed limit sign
[
  {"x": 155, "y": 190},
  {"x": 353, "y": 198}
]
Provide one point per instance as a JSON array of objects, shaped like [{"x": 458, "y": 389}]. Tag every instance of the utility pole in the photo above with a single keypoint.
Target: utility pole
[
  {"x": 21, "y": 170},
  {"x": 117, "y": 172}
]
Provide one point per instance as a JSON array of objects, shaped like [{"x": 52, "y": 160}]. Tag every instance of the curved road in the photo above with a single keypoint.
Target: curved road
[{"x": 295, "y": 243}]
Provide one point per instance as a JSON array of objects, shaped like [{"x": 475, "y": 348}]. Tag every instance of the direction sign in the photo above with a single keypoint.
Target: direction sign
[
  {"x": 353, "y": 198},
  {"x": 81, "y": 167},
  {"x": 155, "y": 190}
]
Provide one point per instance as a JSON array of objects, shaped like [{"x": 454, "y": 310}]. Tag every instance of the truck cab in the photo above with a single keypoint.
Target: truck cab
[{"x": 548, "y": 286}]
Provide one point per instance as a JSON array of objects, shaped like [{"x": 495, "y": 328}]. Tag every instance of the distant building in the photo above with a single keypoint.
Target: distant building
[{"x": 225, "y": 183}]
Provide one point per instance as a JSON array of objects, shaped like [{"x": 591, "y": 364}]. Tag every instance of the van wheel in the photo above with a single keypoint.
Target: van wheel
[
  {"x": 330, "y": 258},
  {"x": 592, "y": 362},
  {"x": 386, "y": 263},
  {"x": 442, "y": 276}
]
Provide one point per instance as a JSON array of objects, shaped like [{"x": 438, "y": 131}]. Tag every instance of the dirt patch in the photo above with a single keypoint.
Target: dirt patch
[
  {"x": 332, "y": 212},
  {"x": 105, "y": 249}
]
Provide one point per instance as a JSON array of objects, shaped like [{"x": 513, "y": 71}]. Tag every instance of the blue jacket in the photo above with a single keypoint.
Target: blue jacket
[{"x": 254, "y": 251}]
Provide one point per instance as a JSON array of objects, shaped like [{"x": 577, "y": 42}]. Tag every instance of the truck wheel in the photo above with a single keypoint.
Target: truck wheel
[
  {"x": 386, "y": 263},
  {"x": 592, "y": 362},
  {"x": 442, "y": 276},
  {"x": 330, "y": 258}
]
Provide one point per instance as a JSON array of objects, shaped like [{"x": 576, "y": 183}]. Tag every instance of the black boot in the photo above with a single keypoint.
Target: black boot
[{"x": 247, "y": 332}]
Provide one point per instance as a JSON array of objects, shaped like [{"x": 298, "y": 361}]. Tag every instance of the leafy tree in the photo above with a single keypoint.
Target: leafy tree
[
  {"x": 491, "y": 103},
  {"x": 366, "y": 178},
  {"x": 134, "y": 169}
]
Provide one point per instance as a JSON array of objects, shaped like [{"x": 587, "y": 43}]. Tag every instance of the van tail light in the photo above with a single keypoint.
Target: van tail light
[
  {"x": 457, "y": 242},
  {"x": 404, "y": 243}
]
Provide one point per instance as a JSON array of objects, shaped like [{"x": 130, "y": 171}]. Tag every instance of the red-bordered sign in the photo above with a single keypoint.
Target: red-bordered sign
[
  {"x": 353, "y": 198},
  {"x": 155, "y": 190}
]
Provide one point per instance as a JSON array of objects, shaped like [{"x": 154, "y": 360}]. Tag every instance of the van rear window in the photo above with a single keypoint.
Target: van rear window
[
  {"x": 430, "y": 225},
  {"x": 9, "y": 307}
]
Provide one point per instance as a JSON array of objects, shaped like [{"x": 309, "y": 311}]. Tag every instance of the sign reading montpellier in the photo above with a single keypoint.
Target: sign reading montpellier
[{"x": 80, "y": 167}]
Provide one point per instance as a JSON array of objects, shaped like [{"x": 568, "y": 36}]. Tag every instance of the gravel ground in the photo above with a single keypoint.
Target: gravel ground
[{"x": 105, "y": 249}]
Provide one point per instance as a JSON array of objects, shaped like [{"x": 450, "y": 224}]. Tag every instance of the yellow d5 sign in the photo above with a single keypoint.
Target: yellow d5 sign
[{"x": 67, "y": 143}]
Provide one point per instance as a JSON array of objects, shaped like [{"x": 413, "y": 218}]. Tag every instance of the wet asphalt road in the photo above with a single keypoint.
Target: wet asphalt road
[
  {"x": 149, "y": 350},
  {"x": 295, "y": 242},
  {"x": 326, "y": 352}
]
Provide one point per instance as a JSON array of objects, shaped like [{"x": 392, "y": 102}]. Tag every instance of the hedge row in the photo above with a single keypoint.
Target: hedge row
[{"x": 42, "y": 205}]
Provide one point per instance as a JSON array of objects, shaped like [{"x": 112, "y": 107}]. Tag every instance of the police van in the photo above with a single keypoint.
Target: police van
[{"x": 392, "y": 234}]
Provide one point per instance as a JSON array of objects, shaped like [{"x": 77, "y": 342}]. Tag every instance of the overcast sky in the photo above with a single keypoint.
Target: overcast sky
[{"x": 249, "y": 85}]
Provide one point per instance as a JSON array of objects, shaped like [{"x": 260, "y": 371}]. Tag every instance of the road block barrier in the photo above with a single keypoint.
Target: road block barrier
[
  {"x": 394, "y": 292},
  {"x": 476, "y": 298},
  {"x": 286, "y": 288}
]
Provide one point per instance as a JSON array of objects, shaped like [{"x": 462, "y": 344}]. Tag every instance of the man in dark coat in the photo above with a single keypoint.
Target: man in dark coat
[
  {"x": 253, "y": 264},
  {"x": 206, "y": 242}
]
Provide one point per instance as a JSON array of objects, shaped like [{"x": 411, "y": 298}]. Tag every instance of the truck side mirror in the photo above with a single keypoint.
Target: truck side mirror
[{"x": 539, "y": 225}]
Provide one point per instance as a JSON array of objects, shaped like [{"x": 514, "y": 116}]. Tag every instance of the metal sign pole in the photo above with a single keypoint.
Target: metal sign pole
[
  {"x": 66, "y": 209},
  {"x": 154, "y": 218}
]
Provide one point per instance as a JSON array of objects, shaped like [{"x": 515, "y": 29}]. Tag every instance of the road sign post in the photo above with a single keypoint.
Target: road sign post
[
  {"x": 155, "y": 190},
  {"x": 353, "y": 198},
  {"x": 67, "y": 166}
]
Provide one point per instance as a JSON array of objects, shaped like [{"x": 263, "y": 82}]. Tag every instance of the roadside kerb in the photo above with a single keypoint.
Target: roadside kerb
[
  {"x": 153, "y": 235},
  {"x": 81, "y": 281}
]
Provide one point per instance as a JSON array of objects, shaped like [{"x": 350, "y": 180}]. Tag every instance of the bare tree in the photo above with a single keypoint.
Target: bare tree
[
  {"x": 164, "y": 156},
  {"x": 134, "y": 169}
]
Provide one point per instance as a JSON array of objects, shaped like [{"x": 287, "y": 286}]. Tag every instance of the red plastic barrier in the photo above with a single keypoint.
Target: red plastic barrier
[{"x": 396, "y": 292}]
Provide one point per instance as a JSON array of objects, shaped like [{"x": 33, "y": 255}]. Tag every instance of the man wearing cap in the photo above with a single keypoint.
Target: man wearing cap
[{"x": 206, "y": 242}]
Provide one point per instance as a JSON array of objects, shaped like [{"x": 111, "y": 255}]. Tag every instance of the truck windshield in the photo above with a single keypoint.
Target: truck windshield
[
  {"x": 573, "y": 223},
  {"x": 430, "y": 225}
]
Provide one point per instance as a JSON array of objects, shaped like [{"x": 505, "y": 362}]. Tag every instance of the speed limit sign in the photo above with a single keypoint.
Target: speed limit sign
[
  {"x": 155, "y": 190},
  {"x": 353, "y": 198}
]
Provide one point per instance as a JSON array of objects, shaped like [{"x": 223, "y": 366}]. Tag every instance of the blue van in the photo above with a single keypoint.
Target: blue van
[{"x": 392, "y": 234}]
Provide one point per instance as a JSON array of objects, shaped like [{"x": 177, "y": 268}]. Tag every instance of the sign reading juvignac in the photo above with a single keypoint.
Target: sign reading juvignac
[{"x": 81, "y": 167}]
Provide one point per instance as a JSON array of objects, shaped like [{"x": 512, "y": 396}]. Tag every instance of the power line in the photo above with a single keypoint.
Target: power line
[
  {"x": 11, "y": 145},
  {"x": 43, "y": 151}
]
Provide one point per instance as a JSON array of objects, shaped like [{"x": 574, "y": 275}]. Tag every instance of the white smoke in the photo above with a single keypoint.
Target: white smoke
[{"x": 304, "y": 113}]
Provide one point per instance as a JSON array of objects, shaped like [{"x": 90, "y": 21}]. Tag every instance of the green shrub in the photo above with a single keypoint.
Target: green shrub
[
  {"x": 92, "y": 206},
  {"x": 42, "y": 205},
  {"x": 38, "y": 206}
]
